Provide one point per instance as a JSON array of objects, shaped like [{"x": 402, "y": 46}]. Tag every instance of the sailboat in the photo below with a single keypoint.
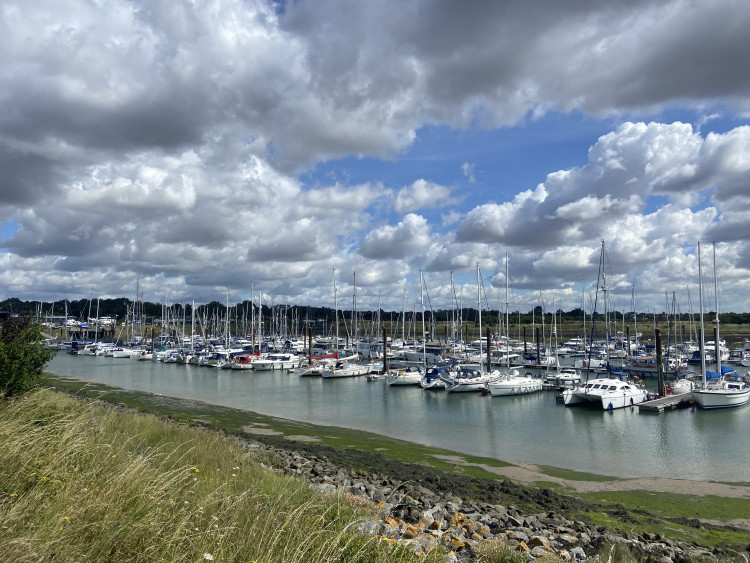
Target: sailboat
[
  {"x": 343, "y": 367},
  {"x": 512, "y": 382},
  {"x": 466, "y": 378},
  {"x": 413, "y": 374},
  {"x": 723, "y": 388},
  {"x": 609, "y": 392}
]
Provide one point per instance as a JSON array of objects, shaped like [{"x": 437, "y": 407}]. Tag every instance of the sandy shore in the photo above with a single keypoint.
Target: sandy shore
[{"x": 527, "y": 473}]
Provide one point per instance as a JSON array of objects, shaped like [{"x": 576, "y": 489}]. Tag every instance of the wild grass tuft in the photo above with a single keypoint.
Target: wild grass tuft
[
  {"x": 80, "y": 481},
  {"x": 497, "y": 551}
]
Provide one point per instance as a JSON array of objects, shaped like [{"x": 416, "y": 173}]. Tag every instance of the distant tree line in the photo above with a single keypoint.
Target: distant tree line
[{"x": 119, "y": 307}]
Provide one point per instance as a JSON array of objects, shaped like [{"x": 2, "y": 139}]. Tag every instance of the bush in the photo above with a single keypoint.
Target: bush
[{"x": 23, "y": 355}]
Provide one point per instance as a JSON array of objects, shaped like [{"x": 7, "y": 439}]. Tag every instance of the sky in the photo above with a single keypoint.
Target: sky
[{"x": 403, "y": 151}]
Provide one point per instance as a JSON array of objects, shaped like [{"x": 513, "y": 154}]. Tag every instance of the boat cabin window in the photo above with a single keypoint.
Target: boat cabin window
[
  {"x": 596, "y": 386},
  {"x": 613, "y": 387}
]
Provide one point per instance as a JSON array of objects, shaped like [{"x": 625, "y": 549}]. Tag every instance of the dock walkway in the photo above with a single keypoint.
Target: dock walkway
[{"x": 669, "y": 402}]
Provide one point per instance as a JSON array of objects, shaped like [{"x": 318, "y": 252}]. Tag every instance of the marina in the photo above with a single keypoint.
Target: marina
[{"x": 687, "y": 443}]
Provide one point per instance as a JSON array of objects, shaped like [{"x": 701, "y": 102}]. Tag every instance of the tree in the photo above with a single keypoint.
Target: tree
[{"x": 23, "y": 355}]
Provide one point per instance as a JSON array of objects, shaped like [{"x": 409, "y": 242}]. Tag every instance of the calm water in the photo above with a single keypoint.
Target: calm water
[{"x": 684, "y": 444}]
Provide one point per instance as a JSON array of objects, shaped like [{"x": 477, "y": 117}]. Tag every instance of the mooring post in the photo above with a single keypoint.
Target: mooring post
[{"x": 660, "y": 367}]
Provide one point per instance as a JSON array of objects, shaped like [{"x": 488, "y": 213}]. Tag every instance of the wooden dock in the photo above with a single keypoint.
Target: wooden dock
[{"x": 669, "y": 402}]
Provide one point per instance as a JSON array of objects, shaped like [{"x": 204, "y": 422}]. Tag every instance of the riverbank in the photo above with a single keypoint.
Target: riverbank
[{"x": 711, "y": 515}]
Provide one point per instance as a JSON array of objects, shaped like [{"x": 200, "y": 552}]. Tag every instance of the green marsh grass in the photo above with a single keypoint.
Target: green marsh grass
[{"x": 83, "y": 481}]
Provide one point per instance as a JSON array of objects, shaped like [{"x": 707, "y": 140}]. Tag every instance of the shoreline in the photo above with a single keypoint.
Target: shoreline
[
  {"x": 420, "y": 506},
  {"x": 272, "y": 429},
  {"x": 439, "y": 485}
]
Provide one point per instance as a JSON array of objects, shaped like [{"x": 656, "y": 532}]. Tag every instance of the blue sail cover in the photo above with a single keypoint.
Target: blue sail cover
[{"x": 725, "y": 370}]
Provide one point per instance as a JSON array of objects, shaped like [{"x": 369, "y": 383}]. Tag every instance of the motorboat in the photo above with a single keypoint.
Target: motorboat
[
  {"x": 567, "y": 377},
  {"x": 277, "y": 361},
  {"x": 607, "y": 392},
  {"x": 243, "y": 361}
]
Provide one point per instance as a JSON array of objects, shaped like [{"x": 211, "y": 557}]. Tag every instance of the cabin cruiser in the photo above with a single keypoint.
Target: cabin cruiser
[
  {"x": 607, "y": 392},
  {"x": 564, "y": 377}
]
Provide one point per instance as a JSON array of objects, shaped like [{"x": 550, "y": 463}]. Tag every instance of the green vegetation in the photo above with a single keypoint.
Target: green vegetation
[
  {"x": 668, "y": 504},
  {"x": 81, "y": 481},
  {"x": 635, "y": 511},
  {"x": 22, "y": 355},
  {"x": 497, "y": 551},
  {"x": 639, "y": 524}
]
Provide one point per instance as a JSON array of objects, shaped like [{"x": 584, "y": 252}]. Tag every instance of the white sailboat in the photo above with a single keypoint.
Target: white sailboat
[
  {"x": 512, "y": 382},
  {"x": 724, "y": 388},
  {"x": 467, "y": 379}
]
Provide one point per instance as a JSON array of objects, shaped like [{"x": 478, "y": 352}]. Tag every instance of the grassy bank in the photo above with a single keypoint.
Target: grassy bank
[
  {"x": 671, "y": 515},
  {"x": 81, "y": 481}
]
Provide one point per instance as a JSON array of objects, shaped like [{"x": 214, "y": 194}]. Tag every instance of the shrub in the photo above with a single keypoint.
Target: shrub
[{"x": 23, "y": 355}]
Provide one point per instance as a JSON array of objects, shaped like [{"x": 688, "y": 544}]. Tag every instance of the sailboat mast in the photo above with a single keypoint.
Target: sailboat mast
[
  {"x": 226, "y": 323},
  {"x": 700, "y": 297},
  {"x": 354, "y": 312},
  {"x": 717, "y": 346},
  {"x": 336, "y": 310},
  {"x": 507, "y": 326},
  {"x": 606, "y": 311},
  {"x": 479, "y": 317},
  {"x": 424, "y": 338}
]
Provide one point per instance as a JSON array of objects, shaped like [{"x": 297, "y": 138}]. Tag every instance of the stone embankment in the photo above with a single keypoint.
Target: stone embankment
[{"x": 423, "y": 518}]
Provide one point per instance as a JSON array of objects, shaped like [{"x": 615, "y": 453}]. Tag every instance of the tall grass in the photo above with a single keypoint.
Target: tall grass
[{"x": 81, "y": 481}]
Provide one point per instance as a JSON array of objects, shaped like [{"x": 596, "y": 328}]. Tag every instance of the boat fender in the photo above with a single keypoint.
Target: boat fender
[
  {"x": 669, "y": 388},
  {"x": 610, "y": 406}
]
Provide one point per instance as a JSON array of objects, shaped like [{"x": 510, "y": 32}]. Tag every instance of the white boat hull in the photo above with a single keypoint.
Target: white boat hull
[
  {"x": 401, "y": 377},
  {"x": 350, "y": 370},
  {"x": 719, "y": 399},
  {"x": 605, "y": 392},
  {"x": 514, "y": 386}
]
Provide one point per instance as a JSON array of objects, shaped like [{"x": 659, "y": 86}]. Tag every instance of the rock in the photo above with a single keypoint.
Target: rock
[
  {"x": 567, "y": 539},
  {"x": 516, "y": 535},
  {"x": 539, "y": 551},
  {"x": 366, "y": 527},
  {"x": 326, "y": 488},
  {"x": 577, "y": 554},
  {"x": 541, "y": 541}
]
